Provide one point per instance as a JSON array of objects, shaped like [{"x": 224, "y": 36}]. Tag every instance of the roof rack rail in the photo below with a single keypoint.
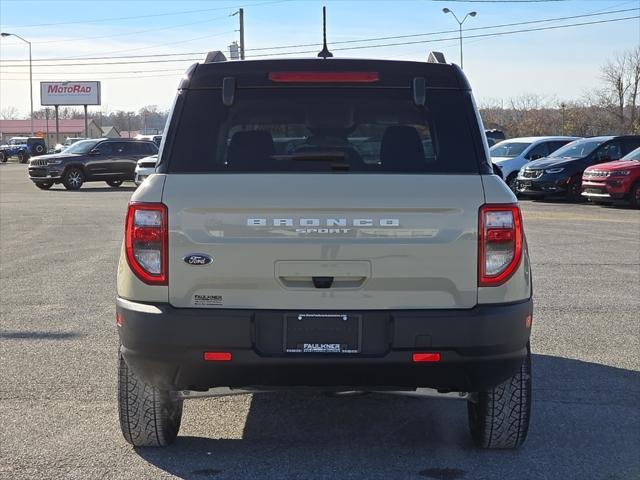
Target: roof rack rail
[
  {"x": 215, "y": 56},
  {"x": 436, "y": 57}
]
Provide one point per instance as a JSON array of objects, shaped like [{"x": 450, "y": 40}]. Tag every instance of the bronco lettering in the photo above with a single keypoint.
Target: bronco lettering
[{"x": 328, "y": 222}]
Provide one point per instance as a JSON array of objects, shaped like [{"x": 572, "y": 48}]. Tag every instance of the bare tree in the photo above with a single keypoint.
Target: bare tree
[
  {"x": 9, "y": 113},
  {"x": 633, "y": 79}
]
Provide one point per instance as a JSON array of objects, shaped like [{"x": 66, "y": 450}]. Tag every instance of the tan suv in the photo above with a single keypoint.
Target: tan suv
[{"x": 340, "y": 229}]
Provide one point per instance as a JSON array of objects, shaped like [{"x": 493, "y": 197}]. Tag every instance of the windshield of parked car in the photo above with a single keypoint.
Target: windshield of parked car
[
  {"x": 508, "y": 149},
  {"x": 17, "y": 141},
  {"x": 633, "y": 155},
  {"x": 82, "y": 147},
  {"x": 577, "y": 149}
]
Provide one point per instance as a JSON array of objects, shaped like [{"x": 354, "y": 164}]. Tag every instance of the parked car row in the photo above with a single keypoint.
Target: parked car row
[
  {"x": 513, "y": 154},
  {"x": 550, "y": 166}
]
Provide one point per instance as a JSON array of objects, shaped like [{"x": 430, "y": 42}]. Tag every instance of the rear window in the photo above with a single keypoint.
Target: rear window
[{"x": 373, "y": 130}]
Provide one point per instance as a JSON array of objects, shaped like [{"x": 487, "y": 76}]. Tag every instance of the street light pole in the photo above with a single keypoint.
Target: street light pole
[
  {"x": 4, "y": 34},
  {"x": 470, "y": 14}
]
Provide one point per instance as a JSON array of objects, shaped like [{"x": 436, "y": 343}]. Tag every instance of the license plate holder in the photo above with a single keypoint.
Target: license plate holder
[{"x": 325, "y": 333}]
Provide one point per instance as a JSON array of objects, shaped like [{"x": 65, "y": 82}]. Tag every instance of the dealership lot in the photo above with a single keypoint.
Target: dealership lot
[{"x": 58, "y": 344}]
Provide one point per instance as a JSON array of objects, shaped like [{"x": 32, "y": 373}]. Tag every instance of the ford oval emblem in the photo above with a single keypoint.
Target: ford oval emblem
[{"x": 198, "y": 259}]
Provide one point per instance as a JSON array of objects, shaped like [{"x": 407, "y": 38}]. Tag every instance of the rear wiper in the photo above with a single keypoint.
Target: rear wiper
[{"x": 333, "y": 157}]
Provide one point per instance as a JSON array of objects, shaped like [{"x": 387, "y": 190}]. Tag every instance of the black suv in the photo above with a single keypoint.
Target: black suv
[
  {"x": 110, "y": 160},
  {"x": 561, "y": 172}
]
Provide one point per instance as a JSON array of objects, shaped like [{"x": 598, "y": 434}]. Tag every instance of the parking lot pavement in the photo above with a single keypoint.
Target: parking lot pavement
[{"x": 58, "y": 343}]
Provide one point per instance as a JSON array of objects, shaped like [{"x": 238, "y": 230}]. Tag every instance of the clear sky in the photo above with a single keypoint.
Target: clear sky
[{"x": 558, "y": 63}]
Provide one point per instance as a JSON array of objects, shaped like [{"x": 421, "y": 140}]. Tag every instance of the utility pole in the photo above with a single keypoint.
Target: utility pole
[
  {"x": 241, "y": 15},
  {"x": 563, "y": 106}
]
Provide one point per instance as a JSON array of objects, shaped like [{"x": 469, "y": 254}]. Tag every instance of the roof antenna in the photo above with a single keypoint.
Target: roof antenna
[{"x": 324, "y": 53}]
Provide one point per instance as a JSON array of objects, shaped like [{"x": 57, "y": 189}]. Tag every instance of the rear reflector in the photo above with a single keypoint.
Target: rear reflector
[
  {"x": 426, "y": 357},
  {"x": 528, "y": 321},
  {"x": 323, "y": 77},
  {"x": 217, "y": 356}
]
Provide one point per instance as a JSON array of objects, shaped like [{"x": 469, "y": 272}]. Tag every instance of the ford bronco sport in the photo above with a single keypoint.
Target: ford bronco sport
[{"x": 340, "y": 229}]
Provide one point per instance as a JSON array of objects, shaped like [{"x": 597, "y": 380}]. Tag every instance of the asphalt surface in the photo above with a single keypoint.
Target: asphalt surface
[{"x": 58, "y": 344}]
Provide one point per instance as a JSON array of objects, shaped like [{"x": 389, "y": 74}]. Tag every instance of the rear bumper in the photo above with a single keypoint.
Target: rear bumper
[{"x": 479, "y": 348}]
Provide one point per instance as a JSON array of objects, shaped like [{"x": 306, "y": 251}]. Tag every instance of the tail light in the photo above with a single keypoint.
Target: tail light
[
  {"x": 499, "y": 243},
  {"x": 146, "y": 242}
]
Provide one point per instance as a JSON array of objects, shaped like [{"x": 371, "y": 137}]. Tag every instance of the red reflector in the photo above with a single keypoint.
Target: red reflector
[
  {"x": 146, "y": 234},
  {"x": 499, "y": 235},
  {"x": 426, "y": 357},
  {"x": 119, "y": 319},
  {"x": 324, "y": 77},
  {"x": 217, "y": 356},
  {"x": 528, "y": 321}
]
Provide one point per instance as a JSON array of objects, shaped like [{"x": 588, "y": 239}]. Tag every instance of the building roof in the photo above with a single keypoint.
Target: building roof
[
  {"x": 40, "y": 125},
  {"x": 109, "y": 129}
]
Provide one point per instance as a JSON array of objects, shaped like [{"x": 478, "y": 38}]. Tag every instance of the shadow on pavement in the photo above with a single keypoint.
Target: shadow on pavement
[
  {"x": 38, "y": 335},
  {"x": 89, "y": 188},
  {"x": 585, "y": 425}
]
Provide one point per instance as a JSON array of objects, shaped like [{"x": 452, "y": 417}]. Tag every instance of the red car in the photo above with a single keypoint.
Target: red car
[{"x": 619, "y": 180}]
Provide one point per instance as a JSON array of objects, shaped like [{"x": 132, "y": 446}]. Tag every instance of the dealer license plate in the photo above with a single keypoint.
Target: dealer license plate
[{"x": 322, "y": 333}]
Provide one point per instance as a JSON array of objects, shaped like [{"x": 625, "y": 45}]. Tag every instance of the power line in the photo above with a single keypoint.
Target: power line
[
  {"x": 128, "y": 34},
  {"x": 137, "y": 62},
  {"x": 394, "y": 37},
  {"x": 495, "y": 34},
  {"x": 184, "y": 12},
  {"x": 501, "y": 1},
  {"x": 451, "y": 31},
  {"x": 112, "y": 57},
  {"x": 41, "y": 74},
  {"x": 155, "y": 45},
  {"x": 359, "y": 47},
  {"x": 115, "y": 78}
]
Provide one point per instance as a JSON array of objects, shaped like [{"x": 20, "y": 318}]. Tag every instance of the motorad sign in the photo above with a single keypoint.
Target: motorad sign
[{"x": 70, "y": 93}]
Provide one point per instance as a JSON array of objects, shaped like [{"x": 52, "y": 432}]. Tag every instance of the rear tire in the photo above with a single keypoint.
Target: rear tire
[
  {"x": 635, "y": 196},
  {"x": 114, "y": 183},
  {"x": 44, "y": 185},
  {"x": 499, "y": 419},
  {"x": 512, "y": 182},
  {"x": 148, "y": 415},
  {"x": 73, "y": 179},
  {"x": 23, "y": 157}
]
